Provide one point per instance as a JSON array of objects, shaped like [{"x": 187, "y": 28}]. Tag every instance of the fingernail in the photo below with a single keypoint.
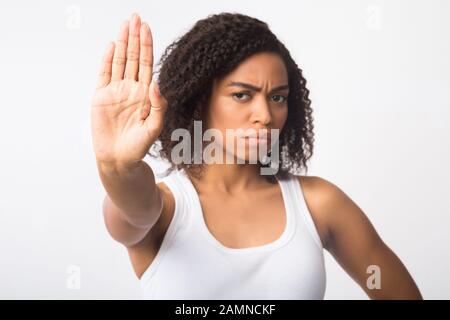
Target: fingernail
[
  {"x": 135, "y": 18},
  {"x": 134, "y": 23}
]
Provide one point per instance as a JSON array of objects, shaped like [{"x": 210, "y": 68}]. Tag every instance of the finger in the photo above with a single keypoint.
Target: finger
[
  {"x": 146, "y": 55},
  {"x": 119, "y": 59},
  {"x": 132, "y": 65},
  {"x": 104, "y": 76}
]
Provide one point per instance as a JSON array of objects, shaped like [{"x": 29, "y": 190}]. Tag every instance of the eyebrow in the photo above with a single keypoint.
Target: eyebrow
[{"x": 257, "y": 89}]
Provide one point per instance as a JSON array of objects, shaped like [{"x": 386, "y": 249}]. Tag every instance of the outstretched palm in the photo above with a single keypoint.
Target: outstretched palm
[{"x": 124, "y": 126}]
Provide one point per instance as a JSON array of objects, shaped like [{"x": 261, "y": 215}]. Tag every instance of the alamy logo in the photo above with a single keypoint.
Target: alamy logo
[{"x": 262, "y": 145}]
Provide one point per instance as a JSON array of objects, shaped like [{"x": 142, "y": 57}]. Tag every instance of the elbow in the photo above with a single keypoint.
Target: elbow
[{"x": 144, "y": 219}]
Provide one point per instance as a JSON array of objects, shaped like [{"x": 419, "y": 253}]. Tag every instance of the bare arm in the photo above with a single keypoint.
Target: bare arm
[
  {"x": 357, "y": 247},
  {"x": 127, "y": 116},
  {"x": 133, "y": 202}
]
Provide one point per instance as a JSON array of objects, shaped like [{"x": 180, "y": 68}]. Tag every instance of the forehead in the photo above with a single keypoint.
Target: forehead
[{"x": 258, "y": 69}]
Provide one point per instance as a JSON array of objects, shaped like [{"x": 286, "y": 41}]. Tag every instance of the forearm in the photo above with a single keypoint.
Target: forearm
[
  {"x": 132, "y": 191},
  {"x": 396, "y": 282}
]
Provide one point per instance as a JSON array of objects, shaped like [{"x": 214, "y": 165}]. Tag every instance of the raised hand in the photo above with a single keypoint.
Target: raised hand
[{"x": 127, "y": 109}]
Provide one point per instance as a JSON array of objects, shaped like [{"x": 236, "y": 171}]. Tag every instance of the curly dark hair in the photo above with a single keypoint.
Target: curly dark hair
[{"x": 212, "y": 48}]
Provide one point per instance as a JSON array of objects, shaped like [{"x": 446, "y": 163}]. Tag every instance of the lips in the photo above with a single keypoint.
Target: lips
[
  {"x": 261, "y": 136},
  {"x": 257, "y": 140}
]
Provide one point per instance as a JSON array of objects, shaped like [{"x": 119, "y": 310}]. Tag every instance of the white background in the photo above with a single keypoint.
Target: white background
[{"x": 379, "y": 75}]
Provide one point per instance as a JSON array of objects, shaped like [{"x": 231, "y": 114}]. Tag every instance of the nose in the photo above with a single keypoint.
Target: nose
[{"x": 261, "y": 113}]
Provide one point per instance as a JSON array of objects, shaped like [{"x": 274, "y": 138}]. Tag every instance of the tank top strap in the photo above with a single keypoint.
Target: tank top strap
[
  {"x": 297, "y": 200},
  {"x": 178, "y": 189},
  {"x": 177, "y": 223},
  {"x": 175, "y": 184}
]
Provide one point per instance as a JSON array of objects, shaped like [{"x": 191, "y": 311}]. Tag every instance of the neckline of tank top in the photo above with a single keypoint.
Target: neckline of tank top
[{"x": 282, "y": 240}]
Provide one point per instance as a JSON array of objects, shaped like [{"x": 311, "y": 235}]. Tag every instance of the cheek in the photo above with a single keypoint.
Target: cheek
[
  {"x": 226, "y": 115},
  {"x": 281, "y": 117}
]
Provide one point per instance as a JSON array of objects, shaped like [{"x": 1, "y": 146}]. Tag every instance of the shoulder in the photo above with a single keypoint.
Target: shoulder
[
  {"x": 320, "y": 191},
  {"x": 335, "y": 211}
]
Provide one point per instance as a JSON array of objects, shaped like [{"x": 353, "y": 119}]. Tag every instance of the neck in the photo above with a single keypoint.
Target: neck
[{"x": 231, "y": 178}]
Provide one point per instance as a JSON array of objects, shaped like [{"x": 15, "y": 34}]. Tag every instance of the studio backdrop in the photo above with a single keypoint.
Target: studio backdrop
[{"x": 378, "y": 72}]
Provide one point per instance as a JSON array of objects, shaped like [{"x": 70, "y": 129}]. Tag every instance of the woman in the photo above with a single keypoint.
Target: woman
[{"x": 225, "y": 230}]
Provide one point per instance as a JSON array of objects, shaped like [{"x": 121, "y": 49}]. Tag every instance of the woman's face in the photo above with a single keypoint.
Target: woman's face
[{"x": 253, "y": 96}]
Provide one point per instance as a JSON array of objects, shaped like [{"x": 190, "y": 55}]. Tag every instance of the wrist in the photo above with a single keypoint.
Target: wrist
[{"x": 114, "y": 167}]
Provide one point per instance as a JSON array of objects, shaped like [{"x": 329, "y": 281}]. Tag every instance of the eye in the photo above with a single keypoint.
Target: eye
[
  {"x": 281, "y": 98},
  {"x": 239, "y": 95}
]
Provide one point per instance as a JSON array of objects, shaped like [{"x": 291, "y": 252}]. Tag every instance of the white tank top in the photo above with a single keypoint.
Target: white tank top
[{"x": 192, "y": 264}]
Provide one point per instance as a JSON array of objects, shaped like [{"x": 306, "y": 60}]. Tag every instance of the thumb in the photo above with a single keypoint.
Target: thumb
[
  {"x": 158, "y": 106},
  {"x": 157, "y": 101}
]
